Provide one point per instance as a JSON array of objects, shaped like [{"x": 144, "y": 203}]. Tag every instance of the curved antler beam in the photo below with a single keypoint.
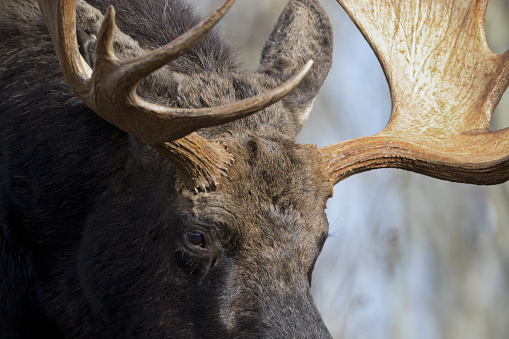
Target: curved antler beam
[
  {"x": 445, "y": 84},
  {"x": 476, "y": 162},
  {"x": 110, "y": 89}
]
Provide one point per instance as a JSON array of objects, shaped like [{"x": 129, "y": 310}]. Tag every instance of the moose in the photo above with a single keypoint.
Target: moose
[{"x": 149, "y": 188}]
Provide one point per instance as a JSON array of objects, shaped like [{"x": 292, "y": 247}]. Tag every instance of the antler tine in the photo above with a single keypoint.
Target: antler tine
[
  {"x": 445, "y": 84},
  {"x": 104, "y": 46},
  {"x": 110, "y": 90},
  {"x": 140, "y": 67},
  {"x": 60, "y": 17}
]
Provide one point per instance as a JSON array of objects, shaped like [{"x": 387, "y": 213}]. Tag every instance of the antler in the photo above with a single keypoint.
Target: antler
[
  {"x": 445, "y": 84},
  {"x": 110, "y": 90}
]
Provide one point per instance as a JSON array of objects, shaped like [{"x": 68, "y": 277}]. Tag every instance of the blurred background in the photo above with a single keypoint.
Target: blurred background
[{"x": 409, "y": 257}]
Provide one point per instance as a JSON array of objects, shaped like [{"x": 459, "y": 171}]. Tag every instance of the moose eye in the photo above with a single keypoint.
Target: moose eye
[{"x": 195, "y": 239}]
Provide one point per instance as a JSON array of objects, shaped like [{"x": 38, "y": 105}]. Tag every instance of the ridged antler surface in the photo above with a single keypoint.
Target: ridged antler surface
[{"x": 445, "y": 84}]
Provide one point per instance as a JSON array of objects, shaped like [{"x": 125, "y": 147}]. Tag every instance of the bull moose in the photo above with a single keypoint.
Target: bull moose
[{"x": 149, "y": 188}]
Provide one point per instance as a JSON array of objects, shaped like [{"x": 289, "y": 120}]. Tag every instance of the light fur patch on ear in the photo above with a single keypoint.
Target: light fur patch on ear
[{"x": 303, "y": 117}]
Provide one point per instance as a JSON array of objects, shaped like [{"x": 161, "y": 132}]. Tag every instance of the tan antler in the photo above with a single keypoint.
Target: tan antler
[
  {"x": 445, "y": 84},
  {"x": 110, "y": 90}
]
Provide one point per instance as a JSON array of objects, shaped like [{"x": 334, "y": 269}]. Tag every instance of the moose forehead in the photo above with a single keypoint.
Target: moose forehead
[{"x": 273, "y": 196}]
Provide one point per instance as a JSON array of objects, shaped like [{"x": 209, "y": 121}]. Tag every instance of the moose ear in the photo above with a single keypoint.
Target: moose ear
[{"x": 303, "y": 32}]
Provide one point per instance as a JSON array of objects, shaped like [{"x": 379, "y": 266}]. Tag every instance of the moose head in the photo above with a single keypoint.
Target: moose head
[{"x": 199, "y": 215}]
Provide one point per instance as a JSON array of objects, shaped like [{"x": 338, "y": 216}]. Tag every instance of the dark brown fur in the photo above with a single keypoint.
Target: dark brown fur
[{"x": 92, "y": 228}]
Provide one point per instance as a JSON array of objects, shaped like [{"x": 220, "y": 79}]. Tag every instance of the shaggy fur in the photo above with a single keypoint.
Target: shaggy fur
[{"x": 92, "y": 230}]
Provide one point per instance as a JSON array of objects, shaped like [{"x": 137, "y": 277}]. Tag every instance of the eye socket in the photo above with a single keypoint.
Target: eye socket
[
  {"x": 199, "y": 252},
  {"x": 195, "y": 239}
]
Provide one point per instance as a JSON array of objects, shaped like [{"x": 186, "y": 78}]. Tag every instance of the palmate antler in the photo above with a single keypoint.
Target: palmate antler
[
  {"x": 110, "y": 90},
  {"x": 445, "y": 84}
]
